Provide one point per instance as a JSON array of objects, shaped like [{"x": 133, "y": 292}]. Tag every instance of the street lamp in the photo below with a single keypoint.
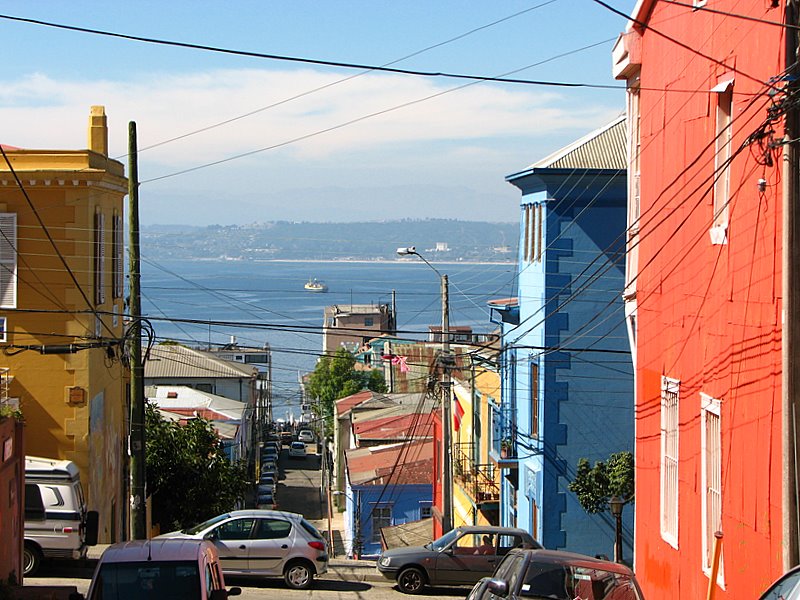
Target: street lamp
[
  {"x": 616, "y": 504},
  {"x": 447, "y": 457},
  {"x": 357, "y": 542}
]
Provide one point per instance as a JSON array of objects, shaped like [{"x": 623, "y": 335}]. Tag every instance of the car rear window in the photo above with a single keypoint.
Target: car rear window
[
  {"x": 311, "y": 529},
  {"x": 565, "y": 582},
  {"x": 177, "y": 580}
]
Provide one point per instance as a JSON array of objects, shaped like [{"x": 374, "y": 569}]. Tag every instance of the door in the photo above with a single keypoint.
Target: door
[
  {"x": 466, "y": 560},
  {"x": 232, "y": 539},
  {"x": 273, "y": 541}
]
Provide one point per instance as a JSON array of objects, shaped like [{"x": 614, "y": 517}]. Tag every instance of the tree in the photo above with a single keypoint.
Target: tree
[
  {"x": 595, "y": 486},
  {"x": 335, "y": 377},
  {"x": 188, "y": 474}
]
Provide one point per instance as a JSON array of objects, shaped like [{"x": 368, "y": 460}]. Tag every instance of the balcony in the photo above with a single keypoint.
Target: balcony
[{"x": 478, "y": 480}]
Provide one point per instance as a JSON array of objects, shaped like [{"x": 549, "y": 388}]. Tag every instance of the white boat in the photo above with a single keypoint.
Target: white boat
[{"x": 315, "y": 285}]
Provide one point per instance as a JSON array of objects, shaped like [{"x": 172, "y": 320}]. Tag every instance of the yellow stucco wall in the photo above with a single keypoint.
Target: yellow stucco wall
[
  {"x": 65, "y": 189},
  {"x": 486, "y": 383}
]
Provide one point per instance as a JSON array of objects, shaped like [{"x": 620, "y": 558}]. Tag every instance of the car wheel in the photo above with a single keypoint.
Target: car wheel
[
  {"x": 411, "y": 580},
  {"x": 31, "y": 559},
  {"x": 298, "y": 575}
]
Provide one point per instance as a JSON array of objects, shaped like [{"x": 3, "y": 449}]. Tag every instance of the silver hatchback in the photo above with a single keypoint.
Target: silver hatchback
[{"x": 267, "y": 543}]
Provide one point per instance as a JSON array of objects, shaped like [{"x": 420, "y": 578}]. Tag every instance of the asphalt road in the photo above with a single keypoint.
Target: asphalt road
[{"x": 297, "y": 491}]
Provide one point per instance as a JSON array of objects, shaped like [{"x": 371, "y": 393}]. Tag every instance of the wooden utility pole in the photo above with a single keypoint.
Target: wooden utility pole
[
  {"x": 447, "y": 420},
  {"x": 136, "y": 446}
]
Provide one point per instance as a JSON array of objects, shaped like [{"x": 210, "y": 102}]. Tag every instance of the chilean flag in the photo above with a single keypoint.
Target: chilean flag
[{"x": 457, "y": 414}]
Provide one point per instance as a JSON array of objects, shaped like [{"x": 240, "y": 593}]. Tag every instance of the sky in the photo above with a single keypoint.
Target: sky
[{"x": 230, "y": 139}]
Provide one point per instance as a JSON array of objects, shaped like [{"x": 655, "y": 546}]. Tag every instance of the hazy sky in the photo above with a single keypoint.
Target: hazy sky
[{"x": 295, "y": 141}]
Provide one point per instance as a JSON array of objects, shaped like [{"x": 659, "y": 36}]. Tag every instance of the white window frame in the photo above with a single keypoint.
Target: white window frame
[
  {"x": 3, "y": 329},
  {"x": 379, "y": 515},
  {"x": 711, "y": 479},
  {"x": 722, "y": 159},
  {"x": 670, "y": 448},
  {"x": 8, "y": 260}
]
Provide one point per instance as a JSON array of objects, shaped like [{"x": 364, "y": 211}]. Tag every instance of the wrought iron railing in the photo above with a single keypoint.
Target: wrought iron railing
[
  {"x": 478, "y": 480},
  {"x": 5, "y": 381}
]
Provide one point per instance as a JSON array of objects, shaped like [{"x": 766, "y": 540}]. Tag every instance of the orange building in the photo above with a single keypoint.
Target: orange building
[
  {"x": 704, "y": 295},
  {"x": 61, "y": 306}
]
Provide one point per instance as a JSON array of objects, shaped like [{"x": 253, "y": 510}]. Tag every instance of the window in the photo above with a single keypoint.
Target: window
[
  {"x": 99, "y": 258},
  {"x": 711, "y": 448},
  {"x": 8, "y": 260},
  {"x": 272, "y": 529},
  {"x": 381, "y": 517},
  {"x": 369, "y": 321},
  {"x": 117, "y": 258},
  {"x": 532, "y": 223},
  {"x": 669, "y": 460},
  {"x": 3, "y": 329},
  {"x": 237, "y": 529},
  {"x": 722, "y": 156},
  {"x": 535, "y": 400},
  {"x": 425, "y": 511}
]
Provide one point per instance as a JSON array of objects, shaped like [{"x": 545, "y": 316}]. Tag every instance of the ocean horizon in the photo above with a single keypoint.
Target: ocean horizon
[{"x": 212, "y": 302}]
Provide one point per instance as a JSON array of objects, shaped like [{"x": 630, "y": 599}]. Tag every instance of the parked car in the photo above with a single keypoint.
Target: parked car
[
  {"x": 186, "y": 569},
  {"x": 305, "y": 435},
  {"x": 787, "y": 587},
  {"x": 297, "y": 450},
  {"x": 269, "y": 467},
  {"x": 57, "y": 523},
  {"x": 264, "y": 543},
  {"x": 558, "y": 575},
  {"x": 460, "y": 557},
  {"x": 266, "y": 500},
  {"x": 268, "y": 479},
  {"x": 269, "y": 454}
]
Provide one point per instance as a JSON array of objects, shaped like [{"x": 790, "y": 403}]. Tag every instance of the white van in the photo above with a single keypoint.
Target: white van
[{"x": 57, "y": 524}]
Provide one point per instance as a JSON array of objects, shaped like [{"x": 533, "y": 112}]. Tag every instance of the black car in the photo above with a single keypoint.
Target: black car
[
  {"x": 460, "y": 557},
  {"x": 557, "y": 575}
]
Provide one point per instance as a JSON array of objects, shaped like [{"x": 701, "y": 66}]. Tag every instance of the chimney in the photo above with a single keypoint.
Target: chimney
[{"x": 98, "y": 130}]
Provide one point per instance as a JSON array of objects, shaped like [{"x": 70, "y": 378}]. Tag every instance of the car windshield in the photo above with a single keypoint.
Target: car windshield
[
  {"x": 443, "y": 541},
  {"x": 204, "y": 525},
  {"x": 565, "y": 582},
  {"x": 177, "y": 580}
]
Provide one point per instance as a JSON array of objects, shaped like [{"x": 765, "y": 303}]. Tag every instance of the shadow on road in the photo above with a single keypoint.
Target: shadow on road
[{"x": 333, "y": 585}]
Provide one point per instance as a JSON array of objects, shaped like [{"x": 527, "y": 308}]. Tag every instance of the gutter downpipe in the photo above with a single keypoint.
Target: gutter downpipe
[{"x": 790, "y": 280}]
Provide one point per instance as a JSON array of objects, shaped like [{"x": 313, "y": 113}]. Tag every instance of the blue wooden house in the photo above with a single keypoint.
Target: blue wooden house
[{"x": 566, "y": 369}]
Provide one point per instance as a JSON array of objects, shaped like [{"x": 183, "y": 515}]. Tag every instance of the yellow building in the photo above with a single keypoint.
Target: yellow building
[
  {"x": 476, "y": 489},
  {"x": 61, "y": 306}
]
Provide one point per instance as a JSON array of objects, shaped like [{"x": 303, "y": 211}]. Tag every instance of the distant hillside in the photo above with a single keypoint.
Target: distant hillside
[{"x": 438, "y": 239}]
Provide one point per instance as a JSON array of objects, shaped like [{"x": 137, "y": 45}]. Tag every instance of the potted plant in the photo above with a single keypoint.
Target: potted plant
[{"x": 506, "y": 447}]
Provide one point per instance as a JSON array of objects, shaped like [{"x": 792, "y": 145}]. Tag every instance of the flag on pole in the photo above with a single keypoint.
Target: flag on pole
[{"x": 458, "y": 413}]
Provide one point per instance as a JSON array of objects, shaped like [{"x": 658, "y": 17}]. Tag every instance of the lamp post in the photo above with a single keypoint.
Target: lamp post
[
  {"x": 447, "y": 457},
  {"x": 357, "y": 541},
  {"x": 616, "y": 504}
]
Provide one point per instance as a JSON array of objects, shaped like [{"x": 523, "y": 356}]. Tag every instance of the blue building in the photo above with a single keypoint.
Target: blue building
[
  {"x": 566, "y": 370},
  {"x": 386, "y": 485}
]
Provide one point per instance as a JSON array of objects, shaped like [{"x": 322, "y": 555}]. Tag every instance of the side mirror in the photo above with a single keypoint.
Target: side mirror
[
  {"x": 235, "y": 591},
  {"x": 498, "y": 587}
]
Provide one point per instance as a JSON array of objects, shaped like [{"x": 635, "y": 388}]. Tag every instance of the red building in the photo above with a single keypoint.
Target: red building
[{"x": 706, "y": 108}]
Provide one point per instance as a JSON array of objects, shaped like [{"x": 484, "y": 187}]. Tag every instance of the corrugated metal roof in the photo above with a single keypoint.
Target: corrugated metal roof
[
  {"x": 605, "y": 148},
  {"x": 170, "y": 360},
  {"x": 406, "y": 463}
]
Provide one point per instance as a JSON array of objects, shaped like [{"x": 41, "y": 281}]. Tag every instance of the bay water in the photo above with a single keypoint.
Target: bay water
[{"x": 212, "y": 302}]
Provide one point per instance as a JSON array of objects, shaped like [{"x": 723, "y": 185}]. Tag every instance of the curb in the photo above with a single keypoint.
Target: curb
[{"x": 353, "y": 571}]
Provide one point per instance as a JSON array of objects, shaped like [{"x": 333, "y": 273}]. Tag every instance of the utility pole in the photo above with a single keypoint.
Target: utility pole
[
  {"x": 790, "y": 383},
  {"x": 138, "y": 515},
  {"x": 447, "y": 420}
]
